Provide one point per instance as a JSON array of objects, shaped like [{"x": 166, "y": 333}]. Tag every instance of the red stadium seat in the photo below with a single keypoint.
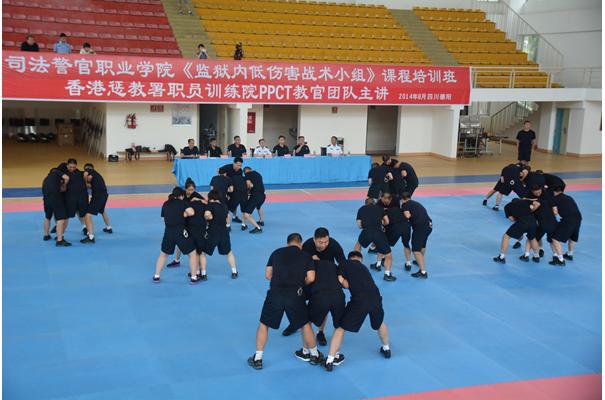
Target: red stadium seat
[
  {"x": 48, "y": 19},
  {"x": 148, "y": 51},
  {"x": 7, "y": 29},
  {"x": 19, "y": 16},
  {"x": 21, "y": 30},
  {"x": 122, "y": 50},
  {"x": 156, "y": 38},
  {"x": 135, "y": 50},
  {"x": 36, "y": 31},
  {"x": 109, "y": 49},
  {"x": 34, "y": 18},
  {"x": 161, "y": 51},
  {"x": 78, "y": 34}
]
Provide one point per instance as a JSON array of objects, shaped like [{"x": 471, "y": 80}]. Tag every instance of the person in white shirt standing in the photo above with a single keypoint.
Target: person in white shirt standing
[
  {"x": 261, "y": 150},
  {"x": 333, "y": 148}
]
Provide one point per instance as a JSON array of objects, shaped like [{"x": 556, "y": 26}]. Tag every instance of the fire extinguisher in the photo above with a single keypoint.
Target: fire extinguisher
[{"x": 131, "y": 121}]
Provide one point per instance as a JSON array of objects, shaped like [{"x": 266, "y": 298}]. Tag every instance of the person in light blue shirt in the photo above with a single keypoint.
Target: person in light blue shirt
[{"x": 62, "y": 47}]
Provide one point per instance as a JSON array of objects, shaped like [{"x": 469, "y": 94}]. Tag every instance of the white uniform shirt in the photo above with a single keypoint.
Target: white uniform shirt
[
  {"x": 261, "y": 151},
  {"x": 333, "y": 149}
]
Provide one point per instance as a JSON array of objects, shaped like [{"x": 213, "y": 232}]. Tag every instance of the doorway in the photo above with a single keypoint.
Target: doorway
[
  {"x": 280, "y": 120},
  {"x": 209, "y": 122},
  {"x": 381, "y": 133},
  {"x": 561, "y": 124}
]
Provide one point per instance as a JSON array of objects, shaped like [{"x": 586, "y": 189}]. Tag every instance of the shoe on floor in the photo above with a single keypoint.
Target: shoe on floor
[
  {"x": 107, "y": 230},
  {"x": 204, "y": 277},
  {"x": 385, "y": 353},
  {"x": 415, "y": 262},
  {"x": 541, "y": 253},
  {"x": 557, "y": 263},
  {"x": 174, "y": 264},
  {"x": 261, "y": 223},
  {"x": 156, "y": 279},
  {"x": 228, "y": 229},
  {"x": 420, "y": 275},
  {"x": 408, "y": 267},
  {"x": 372, "y": 251},
  {"x": 535, "y": 259},
  {"x": 339, "y": 359},
  {"x": 316, "y": 360},
  {"x": 516, "y": 245},
  {"x": 328, "y": 366},
  {"x": 244, "y": 227},
  {"x": 62, "y": 243},
  {"x": 524, "y": 258},
  {"x": 85, "y": 231},
  {"x": 236, "y": 219},
  {"x": 484, "y": 202},
  {"x": 496, "y": 208},
  {"x": 256, "y": 230},
  {"x": 87, "y": 239},
  {"x": 256, "y": 364},
  {"x": 321, "y": 338},
  {"x": 568, "y": 257},
  {"x": 302, "y": 356},
  {"x": 499, "y": 259},
  {"x": 234, "y": 275},
  {"x": 389, "y": 278},
  {"x": 46, "y": 238},
  {"x": 375, "y": 267}
]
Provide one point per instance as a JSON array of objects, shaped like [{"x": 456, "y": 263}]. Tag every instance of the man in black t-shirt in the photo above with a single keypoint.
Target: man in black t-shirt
[
  {"x": 520, "y": 212},
  {"x": 378, "y": 180},
  {"x": 236, "y": 149},
  {"x": 217, "y": 232},
  {"x": 191, "y": 151},
  {"x": 422, "y": 226},
  {"x": 509, "y": 181},
  {"x": 370, "y": 219},
  {"x": 365, "y": 301},
  {"x": 280, "y": 149},
  {"x": 526, "y": 139},
  {"x": 53, "y": 191},
  {"x": 97, "y": 204},
  {"x": 289, "y": 270},
  {"x": 568, "y": 228},
  {"x": 409, "y": 175},
  {"x": 256, "y": 199},
  {"x": 29, "y": 44},
  {"x": 398, "y": 226},
  {"x": 222, "y": 184},
  {"x": 213, "y": 149},
  {"x": 76, "y": 195},
  {"x": 237, "y": 198},
  {"x": 301, "y": 147}
]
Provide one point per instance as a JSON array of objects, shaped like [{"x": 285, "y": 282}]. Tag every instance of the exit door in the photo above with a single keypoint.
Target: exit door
[{"x": 560, "y": 138}]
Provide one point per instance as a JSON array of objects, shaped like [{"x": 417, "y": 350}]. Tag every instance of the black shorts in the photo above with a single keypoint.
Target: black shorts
[
  {"x": 505, "y": 188},
  {"x": 526, "y": 225},
  {"x": 177, "y": 236},
  {"x": 220, "y": 240},
  {"x": 97, "y": 204},
  {"x": 358, "y": 308},
  {"x": 524, "y": 154},
  {"x": 290, "y": 301},
  {"x": 255, "y": 202},
  {"x": 567, "y": 229},
  {"x": 197, "y": 234},
  {"x": 400, "y": 230},
  {"x": 236, "y": 200},
  {"x": 55, "y": 206},
  {"x": 77, "y": 205},
  {"x": 322, "y": 303},
  {"x": 376, "y": 236},
  {"x": 420, "y": 237}
]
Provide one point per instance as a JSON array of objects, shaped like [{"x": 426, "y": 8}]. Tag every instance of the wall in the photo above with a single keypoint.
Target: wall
[
  {"x": 317, "y": 124},
  {"x": 584, "y": 136},
  {"x": 154, "y": 130},
  {"x": 277, "y": 120},
  {"x": 382, "y": 129},
  {"x": 415, "y": 129},
  {"x": 444, "y": 136}
]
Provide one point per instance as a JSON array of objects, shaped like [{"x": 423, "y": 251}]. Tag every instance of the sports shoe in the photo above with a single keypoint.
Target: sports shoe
[
  {"x": 321, "y": 338},
  {"x": 420, "y": 275},
  {"x": 228, "y": 229},
  {"x": 535, "y": 259},
  {"x": 372, "y": 251},
  {"x": 389, "y": 278},
  {"x": 62, "y": 243},
  {"x": 328, "y": 366},
  {"x": 414, "y": 262},
  {"x": 244, "y": 227},
  {"x": 174, "y": 264},
  {"x": 484, "y": 202},
  {"x": 339, "y": 359},
  {"x": 194, "y": 281},
  {"x": 46, "y": 238},
  {"x": 54, "y": 229},
  {"x": 496, "y": 208},
  {"x": 408, "y": 267},
  {"x": 385, "y": 353},
  {"x": 256, "y": 364},
  {"x": 541, "y": 253},
  {"x": 375, "y": 267},
  {"x": 107, "y": 230},
  {"x": 156, "y": 279},
  {"x": 516, "y": 245},
  {"x": 87, "y": 239},
  {"x": 316, "y": 360},
  {"x": 302, "y": 356},
  {"x": 236, "y": 219},
  {"x": 204, "y": 277},
  {"x": 499, "y": 259},
  {"x": 85, "y": 231},
  {"x": 556, "y": 262},
  {"x": 261, "y": 223},
  {"x": 288, "y": 331},
  {"x": 524, "y": 258},
  {"x": 234, "y": 275},
  {"x": 256, "y": 230},
  {"x": 568, "y": 257}
]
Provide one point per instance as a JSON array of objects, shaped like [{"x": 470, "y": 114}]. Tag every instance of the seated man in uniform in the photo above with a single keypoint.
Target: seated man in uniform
[
  {"x": 236, "y": 149},
  {"x": 289, "y": 269},
  {"x": 301, "y": 147},
  {"x": 261, "y": 150},
  {"x": 568, "y": 228},
  {"x": 520, "y": 211},
  {"x": 280, "y": 149},
  {"x": 334, "y": 148},
  {"x": 422, "y": 226},
  {"x": 191, "y": 151},
  {"x": 370, "y": 220},
  {"x": 213, "y": 149},
  {"x": 365, "y": 300}
]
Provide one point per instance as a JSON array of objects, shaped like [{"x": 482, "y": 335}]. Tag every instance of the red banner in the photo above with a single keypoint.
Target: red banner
[
  {"x": 251, "y": 122},
  {"x": 75, "y": 77}
]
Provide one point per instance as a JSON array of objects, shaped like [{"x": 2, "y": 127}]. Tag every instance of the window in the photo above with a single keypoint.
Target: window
[{"x": 530, "y": 46}]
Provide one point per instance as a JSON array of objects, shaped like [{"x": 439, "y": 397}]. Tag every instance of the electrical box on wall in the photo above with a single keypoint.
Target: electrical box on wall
[{"x": 334, "y": 110}]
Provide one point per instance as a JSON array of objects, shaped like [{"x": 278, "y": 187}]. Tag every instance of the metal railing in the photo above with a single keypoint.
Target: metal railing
[
  {"x": 511, "y": 114},
  {"x": 517, "y": 30},
  {"x": 535, "y": 77}
]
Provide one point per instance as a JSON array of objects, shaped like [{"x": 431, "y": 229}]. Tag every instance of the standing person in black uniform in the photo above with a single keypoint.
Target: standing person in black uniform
[
  {"x": 551, "y": 181},
  {"x": 398, "y": 227},
  {"x": 98, "y": 201},
  {"x": 529, "y": 179},
  {"x": 76, "y": 194},
  {"x": 237, "y": 198},
  {"x": 236, "y": 149},
  {"x": 422, "y": 226},
  {"x": 53, "y": 188},
  {"x": 216, "y": 215},
  {"x": 191, "y": 151},
  {"x": 280, "y": 149},
  {"x": 370, "y": 219},
  {"x": 365, "y": 300},
  {"x": 520, "y": 212},
  {"x": 526, "y": 139},
  {"x": 196, "y": 226},
  {"x": 409, "y": 176},
  {"x": 213, "y": 150},
  {"x": 509, "y": 181},
  {"x": 224, "y": 186},
  {"x": 190, "y": 196},
  {"x": 174, "y": 211},
  {"x": 256, "y": 199},
  {"x": 547, "y": 223},
  {"x": 301, "y": 147},
  {"x": 568, "y": 228},
  {"x": 289, "y": 269},
  {"x": 378, "y": 180}
]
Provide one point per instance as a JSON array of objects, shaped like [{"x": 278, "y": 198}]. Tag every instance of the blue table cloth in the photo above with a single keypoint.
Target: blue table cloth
[{"x": 280, "y": 170}]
